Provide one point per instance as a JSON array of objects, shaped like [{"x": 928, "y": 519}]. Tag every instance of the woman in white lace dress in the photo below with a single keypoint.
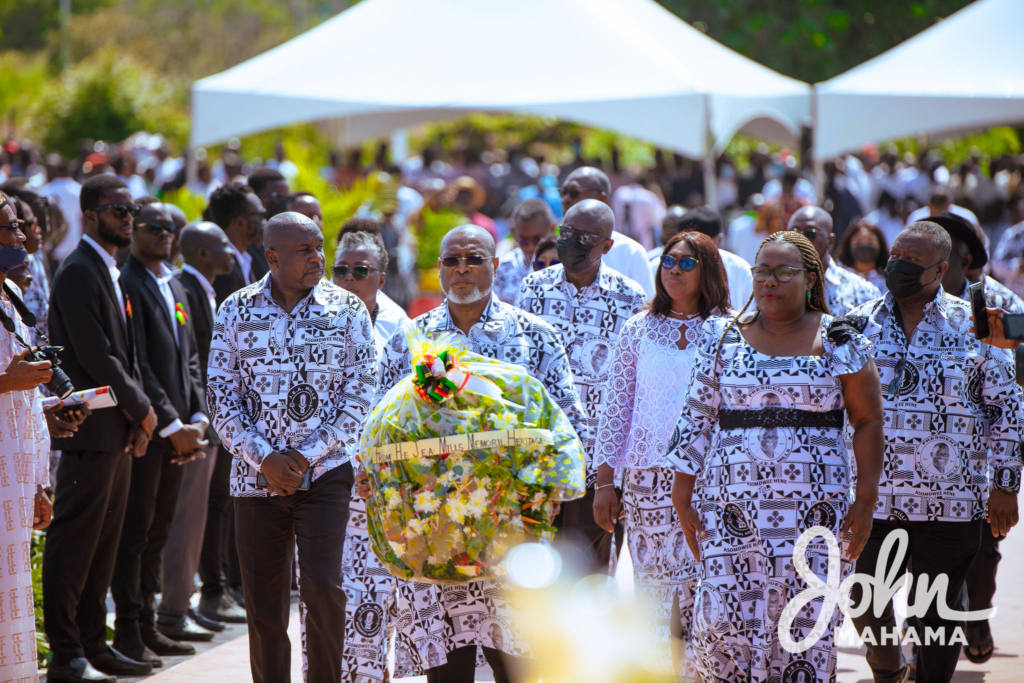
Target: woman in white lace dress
[{"x": 651, "y": 364}]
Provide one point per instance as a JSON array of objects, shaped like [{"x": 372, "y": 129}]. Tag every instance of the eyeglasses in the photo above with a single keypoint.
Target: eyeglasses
[
  {"x": 529, "y": 241},
  {"x": 275, "y": 198},
  {"x": 157, "y": 227},
  {"x": 572, "y": 193},
  {"x": 454, "y": 261},
  {"x": 686, "y": 264},
  {"x": 540, "y": 265},
  {"x": 781, "y": 273},
  {"x": 589, "y": 239},
  {"x": 810, "y": 233},
  {"x": 121, "y": 211},
  {"x": 358, "y": 272},
  {"x": 18, "y": 224},
  {"x": 262, "y": 215}
]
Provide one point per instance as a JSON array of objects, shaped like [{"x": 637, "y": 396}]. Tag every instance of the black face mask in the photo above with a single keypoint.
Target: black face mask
[
  {"x": 574, "y": 255},
  {"x": 903, "y": 278},
  {"x": 864, "y": 253}
]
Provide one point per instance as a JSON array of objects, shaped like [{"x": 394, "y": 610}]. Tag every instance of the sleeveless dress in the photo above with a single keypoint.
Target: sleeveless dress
[
  {"x": 646, "y": 392},
  {"x": 766, "y": 444}
]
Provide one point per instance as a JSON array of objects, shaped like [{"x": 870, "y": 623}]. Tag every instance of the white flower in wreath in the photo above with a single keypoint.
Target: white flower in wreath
[
  {"x": 399, "y": 548},
  {"x": 426, "y": 502},
  {"x": 414, "y": 527},
  {"x": 457, "y": 510},
  {"x": 392, "y": 498}
]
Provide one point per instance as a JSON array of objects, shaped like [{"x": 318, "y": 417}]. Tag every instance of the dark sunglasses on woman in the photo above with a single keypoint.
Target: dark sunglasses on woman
[
  {"x": 686, "y": 264},
  {"x": 358, "y": 272},
  {"x": 540, "y": 265}
]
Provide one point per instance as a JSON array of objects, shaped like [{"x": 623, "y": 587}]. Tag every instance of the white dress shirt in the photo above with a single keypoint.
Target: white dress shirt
[
  {"x": 65, "y": 193},
  {"x": 115, "y": 274},
  {"x": 630, "y": 259},
  {"x": 211, "y": 295},
  {"x": 163, "y": 283},
  {"x": 244, "y": 262}
]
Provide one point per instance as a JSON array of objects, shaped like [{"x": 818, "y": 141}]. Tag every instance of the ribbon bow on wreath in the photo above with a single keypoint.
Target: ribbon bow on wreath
[{"x": 440, "y": 377}]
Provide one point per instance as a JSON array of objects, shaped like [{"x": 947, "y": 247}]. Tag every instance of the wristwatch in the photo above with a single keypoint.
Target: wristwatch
[{"x": 1009, "y": 492}]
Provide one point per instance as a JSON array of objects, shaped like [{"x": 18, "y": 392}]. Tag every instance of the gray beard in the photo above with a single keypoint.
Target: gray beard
[{"x": 469, "y": 298}]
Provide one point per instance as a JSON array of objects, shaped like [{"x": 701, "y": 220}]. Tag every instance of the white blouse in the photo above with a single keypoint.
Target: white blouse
[{"x": 646, "y": 391}]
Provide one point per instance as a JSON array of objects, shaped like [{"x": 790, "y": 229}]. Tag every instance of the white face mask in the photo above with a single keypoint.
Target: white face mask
[{"x": 468, "y": 298}]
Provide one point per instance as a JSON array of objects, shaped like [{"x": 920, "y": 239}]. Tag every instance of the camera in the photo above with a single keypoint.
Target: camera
[{"x": 59, "y": 384}]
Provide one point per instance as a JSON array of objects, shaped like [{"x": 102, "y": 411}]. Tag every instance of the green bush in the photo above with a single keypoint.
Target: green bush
[
  {"x": 107, "y": 97},
  {"x": 36, "y": 559}
]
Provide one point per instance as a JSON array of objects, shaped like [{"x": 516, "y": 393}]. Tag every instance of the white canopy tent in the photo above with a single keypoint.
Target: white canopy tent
[
  {"x": 961, "y": 74},
  {"x": 626, "y": 65}
]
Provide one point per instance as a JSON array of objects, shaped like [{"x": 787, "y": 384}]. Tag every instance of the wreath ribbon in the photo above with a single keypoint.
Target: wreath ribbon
[{"x": 438, "y": 378}]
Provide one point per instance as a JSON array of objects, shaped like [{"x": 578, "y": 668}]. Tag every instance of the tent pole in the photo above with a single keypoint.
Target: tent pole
[
  {"x": 710, "y": 174},
  {"x": 819, "y": 163}
]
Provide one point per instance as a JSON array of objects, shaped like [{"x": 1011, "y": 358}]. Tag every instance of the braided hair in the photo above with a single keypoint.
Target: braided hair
[{"x": 811, "y": 261}]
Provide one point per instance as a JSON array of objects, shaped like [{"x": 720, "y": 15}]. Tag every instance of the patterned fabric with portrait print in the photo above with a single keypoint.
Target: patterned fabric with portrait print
[
  {"x": 760, "y": 489},
  {"x": 509, "y": 275},
  {"x": 589, "y": 322},
  {"x": 952, "y": 414}
]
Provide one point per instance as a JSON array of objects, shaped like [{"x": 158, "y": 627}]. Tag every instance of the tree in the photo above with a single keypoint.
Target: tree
[{"x": 812, "y": 40}]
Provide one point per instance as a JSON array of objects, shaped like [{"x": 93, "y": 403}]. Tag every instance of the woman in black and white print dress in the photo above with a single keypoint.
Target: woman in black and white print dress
[
  {"x": 651, "y": 363},
  {"x": 762, "y": 430}
]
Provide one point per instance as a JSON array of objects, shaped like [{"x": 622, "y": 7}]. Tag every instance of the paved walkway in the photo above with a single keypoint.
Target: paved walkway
[{"x": 228, "y": 660}]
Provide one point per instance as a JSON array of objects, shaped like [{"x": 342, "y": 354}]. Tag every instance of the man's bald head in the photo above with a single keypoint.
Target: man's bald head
[
  {"x": 585, "y": 182},
  {"x": 469, "y": 233},
  {"x": 590, "y": 178},
  {"x": 816, "y": 224},
  {"x": 592, "y": 216},
  {"x": 286, "y": 227},
  {"x": 199, "y": 235}
]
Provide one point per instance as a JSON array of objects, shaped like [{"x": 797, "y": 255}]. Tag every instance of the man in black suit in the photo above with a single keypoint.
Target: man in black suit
[
  {"x": 90, "y": 316},
  {"x": 169, "y": 361},
  {"x": 207, "y": 254},
  {"x": 239, "y": 213},
  {"x": 272, "y": 189}
]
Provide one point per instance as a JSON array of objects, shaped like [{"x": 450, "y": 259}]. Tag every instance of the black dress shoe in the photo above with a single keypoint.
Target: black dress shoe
[
  {"x": 78, "y": 670},
  {"x": 116, "y": 664},
  {"x": 134, "y": 648},
  {"x": 164, "y": 646},
  {"x": 208, "y": 624},
  {"x": 222, "y": 608},
  {"x": 237, "y": 594},
  {"x": 183, "y": 628}
]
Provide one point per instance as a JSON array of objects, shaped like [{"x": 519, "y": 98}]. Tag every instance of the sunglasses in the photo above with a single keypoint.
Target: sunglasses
[
  {"x": 781, "y": 273},
  {"x": 540, "y": 265},
  {"x": 358, "y": 272},
  {"x": 121, "y": 211},
  {"x": 454, "y": 261},
  {"x": 686, "y": 264},
  {"x": 588, "y": 239},
  {"x": 157, "y": 227},
  {"x": 529, "y": 241},
  {"x": 810, "y": 233},
  {"x": 572, "y": 193}
]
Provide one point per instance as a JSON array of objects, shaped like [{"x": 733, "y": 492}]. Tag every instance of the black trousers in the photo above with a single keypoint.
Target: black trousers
[
  {"x": 81, "y": 547},
  {"x": 219, "y": 525},
  {"x": 578, "y": 530},
  {"x": 935, "y": 548},
  {"x": 461, "y": 666},
  {"x": 981, "y": 580},
  {"x": 152, "y": 499},
  {"x": 268, "y": 530}
]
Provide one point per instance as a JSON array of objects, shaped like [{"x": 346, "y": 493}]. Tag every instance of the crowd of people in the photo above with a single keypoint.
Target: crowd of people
[{"x": 820, "y": 374}]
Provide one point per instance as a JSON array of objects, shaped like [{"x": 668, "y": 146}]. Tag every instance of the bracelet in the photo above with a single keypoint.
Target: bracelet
[{"x": 603, "y": 486}]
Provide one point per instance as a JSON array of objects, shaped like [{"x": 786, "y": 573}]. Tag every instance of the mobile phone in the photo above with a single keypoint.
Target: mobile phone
[
  {"x": 261, "y": 481},
  {"x": 1013, "y": 325},
  {"x": 977, "y": 296}
]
